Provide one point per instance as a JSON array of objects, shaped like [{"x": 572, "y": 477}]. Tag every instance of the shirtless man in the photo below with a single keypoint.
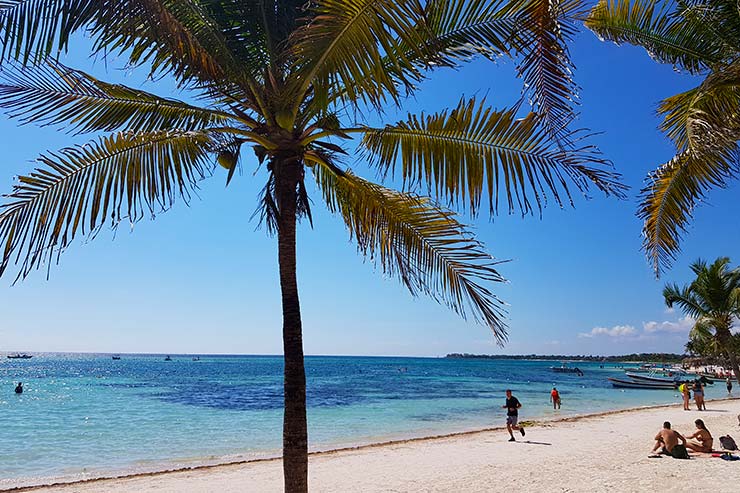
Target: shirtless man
[
  {"x": 667, "y": 439},
  {"x": 703, "y": 436}
]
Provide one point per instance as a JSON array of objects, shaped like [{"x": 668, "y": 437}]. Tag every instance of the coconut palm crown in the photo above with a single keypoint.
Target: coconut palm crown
[
  {"x": 699, "y": 37},
  {"x": 713, "y": 301},
  {"x": 284, "y": 83}
]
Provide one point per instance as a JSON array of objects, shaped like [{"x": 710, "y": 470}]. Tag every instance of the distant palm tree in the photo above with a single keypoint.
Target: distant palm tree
[
  {"x": 699, "y": 37},
  {"x": 282, "y": 77},
  {"x": 713, "y": 300}
]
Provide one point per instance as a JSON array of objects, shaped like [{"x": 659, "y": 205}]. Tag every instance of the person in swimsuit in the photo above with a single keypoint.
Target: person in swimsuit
[
  {"x": 686, "y": 393},
  {"x": 555, "y": 398},
  {"x": 699, "y": 395},
  {"x": 729, "y": 385},
  {"x": 512, "y": 414},
  {"x": 703, "y": 436},
  {"x": 666, "y": 439}
]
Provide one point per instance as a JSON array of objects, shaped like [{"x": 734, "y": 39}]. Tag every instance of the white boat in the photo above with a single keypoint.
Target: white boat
[{"x": 645, "y": 384}]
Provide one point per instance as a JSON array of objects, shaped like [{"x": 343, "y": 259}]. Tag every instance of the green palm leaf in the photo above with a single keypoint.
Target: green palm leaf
[
  {"x": 32, "y": 30},
  {"x": 357, "y": 48},
  {"x": 675, "y": 188},
  {"x": 422, "y": 244},
  {"x": 55, "y": 94},
  {"x": 667, "y": 38},
  {"x": 707, "y": 118},
  {"x": 76, "y": 190},
  {"x": 460, "y": 154},
  {"x": 544, "y": 29}
]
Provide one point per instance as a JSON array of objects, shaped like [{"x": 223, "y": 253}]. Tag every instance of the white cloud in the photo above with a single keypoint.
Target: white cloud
[
  {"x": 616, "y": 331},
  {"x": 682, "y": 325}
]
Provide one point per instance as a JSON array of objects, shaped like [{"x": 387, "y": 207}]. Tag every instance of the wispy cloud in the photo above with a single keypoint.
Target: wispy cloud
[
  {"x": 682, "y": 325},
  {"x": 616, "y": 331}
]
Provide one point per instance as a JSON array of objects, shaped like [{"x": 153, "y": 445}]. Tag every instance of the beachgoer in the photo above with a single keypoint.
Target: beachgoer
[
  {"x": 729, "y": 385},
  {"x": 512, "y": 415},
  {"x": 686, "y": 393},
  {"x": 699, "y": 395},
  {"x": 666, "y": 439},
  {"x": 555, "y": 398},
  {"x": 19, "y": 388},
  {"x": 703, "y": 436}
]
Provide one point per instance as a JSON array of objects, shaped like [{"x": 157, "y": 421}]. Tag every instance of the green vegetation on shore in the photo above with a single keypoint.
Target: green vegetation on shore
[{"x": 660, "y": 357}]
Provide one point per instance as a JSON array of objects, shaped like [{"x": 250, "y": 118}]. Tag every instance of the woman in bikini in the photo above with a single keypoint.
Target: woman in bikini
[{"x": 703, "y": 436}]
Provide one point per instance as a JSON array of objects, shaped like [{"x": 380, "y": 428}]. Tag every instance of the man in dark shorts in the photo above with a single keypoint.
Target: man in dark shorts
[{"x": 512, "y": 414}]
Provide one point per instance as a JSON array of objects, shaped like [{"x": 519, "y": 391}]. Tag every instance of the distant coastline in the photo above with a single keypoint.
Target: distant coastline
[{"x": 636, "y": 357}]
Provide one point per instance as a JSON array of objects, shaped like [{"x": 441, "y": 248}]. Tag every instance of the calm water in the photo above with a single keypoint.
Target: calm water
[{"x": 88, "y": 415}]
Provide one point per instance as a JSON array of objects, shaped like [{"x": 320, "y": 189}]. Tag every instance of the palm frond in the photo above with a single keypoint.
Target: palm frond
[
  {"x": 666, "y": 37},
  {"x": 462, "y": 30},
  {"x": 705, "y": 119},
  {"x": 667, "y": 202},
  {"x": 342, "y": 49},
  {"x": 460, "y": 154},
  {"x": 32, "y": 30},
  {"x": 77, "y": 189},
  {"x": 422, "y": 244},
  {"x": 544, "y": 29},
  {"x": 55, "y": 94},
  {"x": 172, "y": 36}
]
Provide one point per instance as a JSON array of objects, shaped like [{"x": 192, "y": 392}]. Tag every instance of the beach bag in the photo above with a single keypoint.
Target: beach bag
[
  {"x": 728, "y": 443},
  {"x": 679, "y": 452}
]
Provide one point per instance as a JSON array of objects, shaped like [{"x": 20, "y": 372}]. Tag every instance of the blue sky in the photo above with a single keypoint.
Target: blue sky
[{"x": 200, "y": 279}]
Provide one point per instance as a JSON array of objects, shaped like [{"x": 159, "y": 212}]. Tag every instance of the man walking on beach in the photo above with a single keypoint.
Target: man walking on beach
[{"x": 512, "y": 414}]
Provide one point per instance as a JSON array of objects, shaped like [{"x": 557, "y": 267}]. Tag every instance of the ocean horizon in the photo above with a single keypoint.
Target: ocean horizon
[{"x": 87, "y": 415}]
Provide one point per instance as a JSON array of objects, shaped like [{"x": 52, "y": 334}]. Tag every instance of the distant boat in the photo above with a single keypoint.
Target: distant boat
[
  {"x": 564, "y": 368},
  {"x": 671, "y": 378},
  {"x": 644, "y": 384},
  {"x": 19, "y": 356},
  {"x": 168, "y": 358},
  {"x": 197, "y": 358},
  {"x": 116, "y": 357}
]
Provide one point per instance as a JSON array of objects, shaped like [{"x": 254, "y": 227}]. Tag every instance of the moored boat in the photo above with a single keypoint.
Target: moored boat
[
  {"x": 644, "y": 384},
  {"x": 20, "y": 356},
  {"x": 564, "y": 368}
]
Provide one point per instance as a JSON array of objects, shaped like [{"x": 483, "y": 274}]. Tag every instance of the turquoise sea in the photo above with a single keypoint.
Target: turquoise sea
[{"x": 89, "y": 415}]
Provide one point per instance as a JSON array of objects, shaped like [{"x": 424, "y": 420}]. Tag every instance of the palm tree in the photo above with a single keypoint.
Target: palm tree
[
  {"x": 698, "y": 37},
  {"x": 713, "y": 300},
  {"x": 290, "y": 79}
]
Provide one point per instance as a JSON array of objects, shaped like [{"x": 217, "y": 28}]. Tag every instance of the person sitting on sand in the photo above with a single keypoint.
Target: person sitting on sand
[
  {"x": 703, "y": 436},
  {"x": 555, "y": 398},
  {"x": 666, "y": 439}
]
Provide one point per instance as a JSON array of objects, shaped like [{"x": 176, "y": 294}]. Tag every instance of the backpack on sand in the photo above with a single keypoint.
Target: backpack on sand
[
  {"x": 679, "y": 452},
  {"x": 728, "y": 443}
]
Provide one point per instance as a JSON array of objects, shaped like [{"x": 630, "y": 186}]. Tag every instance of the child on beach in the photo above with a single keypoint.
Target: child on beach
[{"x": 686, "y": 393}]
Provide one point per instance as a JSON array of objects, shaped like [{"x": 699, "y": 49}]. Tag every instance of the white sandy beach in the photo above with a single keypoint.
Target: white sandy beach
[{"x": 607, "y": 452}]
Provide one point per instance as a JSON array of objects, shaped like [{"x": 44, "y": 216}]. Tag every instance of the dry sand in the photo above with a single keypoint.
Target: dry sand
[{"x": 607, "y": 452}]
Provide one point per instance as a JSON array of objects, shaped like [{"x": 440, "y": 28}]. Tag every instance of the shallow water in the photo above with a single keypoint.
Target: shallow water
[{"x": 89, "y": 415}]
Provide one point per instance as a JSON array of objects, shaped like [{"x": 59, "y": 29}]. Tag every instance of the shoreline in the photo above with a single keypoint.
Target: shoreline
[{"x": 335, "y": 452}]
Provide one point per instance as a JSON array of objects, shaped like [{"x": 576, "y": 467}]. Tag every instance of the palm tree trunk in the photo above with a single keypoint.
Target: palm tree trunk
[
  {"x": 295, "y": 431},
  {"x": 725, "y": 339}
]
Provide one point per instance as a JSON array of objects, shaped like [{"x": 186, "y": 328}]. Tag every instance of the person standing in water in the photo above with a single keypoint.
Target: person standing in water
[
  {"x": 19, "y": 388},
  {"x": 729, "y": 385},
  {"x": 512, "y": 415},
  {"x": 555, "y": 398},
  {"x": 686, "y": 393}
]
